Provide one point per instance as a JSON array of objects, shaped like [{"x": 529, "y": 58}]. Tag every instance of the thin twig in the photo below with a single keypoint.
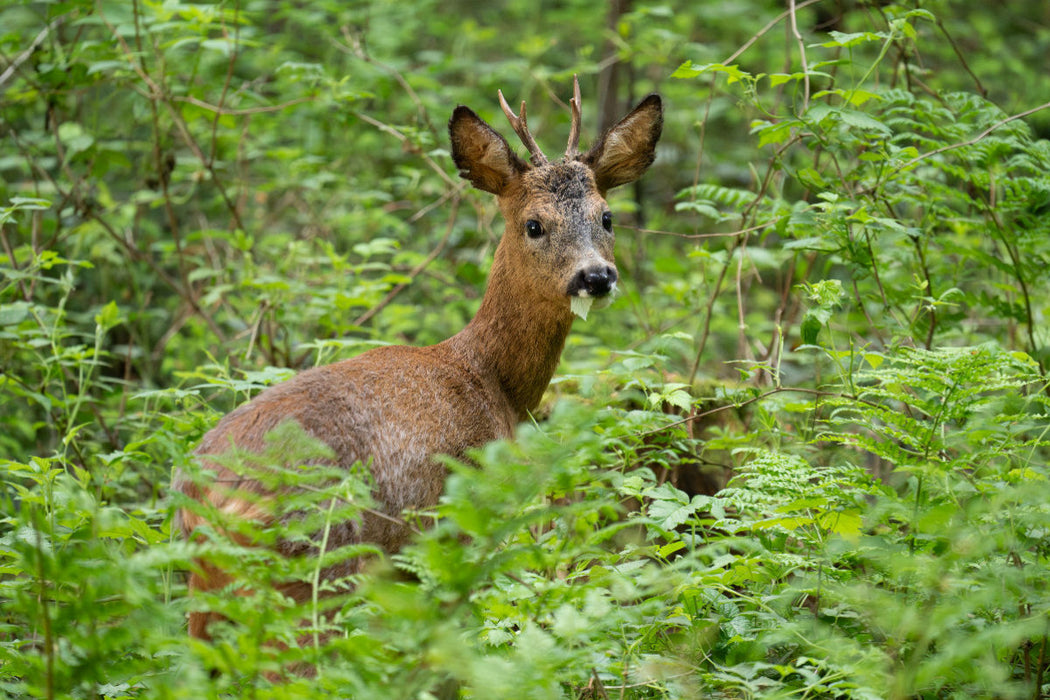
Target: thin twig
[
  {"x": 356, "y": 47},
  {"x": 226, "y": 111},
  {"x": 226, "y": 82},
  {"x": 709, "y": 312},
  {"x": 24, "y": 56},
  {"x": 596, "y": 685},
  {"x": 387, "y": 129},
  {"x": 163, "y": 174},
  {"x": 45, "y": 613},
  {"x": 1015, "y": 261},
  {"x": 750, "y": 209},
  {"x": 962, "y": 58},
  {"x": 695, "y": 236},
  {"x": 159, "y": 95},
  {"x": 802, "y": 55},
  {"x": 9, "y": 251},
  {"x": 729, "y": 258},
  {"x": 397, "y": 289},
  {"x": 1041, "y": 669},
  {"x": 754, "y": 399},
  {"x": 745, "y": 348},
  {"x": 764, "y": 30},
  {"x": 970, "y": 142}
]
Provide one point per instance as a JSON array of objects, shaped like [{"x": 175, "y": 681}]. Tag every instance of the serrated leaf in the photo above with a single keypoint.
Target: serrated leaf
[
  {"x": 670, "y": 514},
  {"x": 633, "y": 364},
  {"x": 667, "y": 492},
  {"x": 679, "y": 399},
  {"x": 861, "y": 120}
]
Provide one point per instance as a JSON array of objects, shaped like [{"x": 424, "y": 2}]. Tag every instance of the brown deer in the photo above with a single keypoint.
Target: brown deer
[{"x": 394, "y": 408}]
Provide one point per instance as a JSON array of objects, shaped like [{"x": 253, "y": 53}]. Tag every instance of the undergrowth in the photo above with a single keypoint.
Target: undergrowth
[{"x": 804, "y": 455}]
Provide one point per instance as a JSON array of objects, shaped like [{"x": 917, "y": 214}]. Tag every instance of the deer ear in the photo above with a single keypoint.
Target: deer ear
[
  {"x": 626, "y": 151},
  {"x": 481, "y": 154}
]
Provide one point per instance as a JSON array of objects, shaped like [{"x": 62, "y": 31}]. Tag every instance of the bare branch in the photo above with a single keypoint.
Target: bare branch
[
  {"x": 24, "y": 56},
  {"x": 975, "y": 139},
  {"x": 802, "y": 54},
  {"x": 368, "y": 315}
]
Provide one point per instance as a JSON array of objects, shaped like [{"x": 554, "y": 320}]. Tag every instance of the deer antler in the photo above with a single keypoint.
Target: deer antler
[
  {"x": 521, "y": 128},
  {"x": 574, "y": 129}
]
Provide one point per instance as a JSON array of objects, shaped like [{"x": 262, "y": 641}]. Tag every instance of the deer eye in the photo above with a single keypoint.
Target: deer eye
[
  {"x": 607, "y": 221},
  {"x": 533, "y": 228}
]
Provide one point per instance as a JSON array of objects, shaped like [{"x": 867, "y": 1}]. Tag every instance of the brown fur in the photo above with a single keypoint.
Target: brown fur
[{"x": 396, "y": 407}]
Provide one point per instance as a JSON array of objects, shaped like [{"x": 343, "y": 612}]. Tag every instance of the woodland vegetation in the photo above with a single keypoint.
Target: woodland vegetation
[{"x": 803, "y": 454}]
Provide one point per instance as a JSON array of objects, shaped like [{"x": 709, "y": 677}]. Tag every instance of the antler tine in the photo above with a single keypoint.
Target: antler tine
[
  {"x": 521, "y": 128},
  {"x": 573, "y": 149}
]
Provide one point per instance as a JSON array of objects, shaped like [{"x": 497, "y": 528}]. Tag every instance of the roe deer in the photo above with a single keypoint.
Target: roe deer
[{"x": 394, "y": 408}]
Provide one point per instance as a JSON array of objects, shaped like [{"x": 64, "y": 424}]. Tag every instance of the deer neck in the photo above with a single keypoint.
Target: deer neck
[{"x": 515, "y": 338}]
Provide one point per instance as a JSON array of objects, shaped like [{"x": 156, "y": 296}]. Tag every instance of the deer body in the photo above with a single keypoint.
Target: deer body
[{"x": 395, "y": 407}]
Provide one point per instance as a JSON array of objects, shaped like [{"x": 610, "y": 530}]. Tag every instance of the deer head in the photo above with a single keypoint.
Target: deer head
[{"x": 558, "y": 241}]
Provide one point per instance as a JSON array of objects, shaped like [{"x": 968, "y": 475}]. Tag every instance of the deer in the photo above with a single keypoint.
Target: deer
[{"x": 394, "y": 408}]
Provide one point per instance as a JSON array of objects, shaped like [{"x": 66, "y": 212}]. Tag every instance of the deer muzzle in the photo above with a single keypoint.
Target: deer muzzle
[{"x": 596, "y": 280}]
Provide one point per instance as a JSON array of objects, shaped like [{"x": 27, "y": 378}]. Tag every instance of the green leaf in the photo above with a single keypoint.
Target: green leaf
[
  {"x": 680, "y": 399},
  {"x": 74, "y": 138},
  {"x": 773, "y": 132},
  {"x": 861, "y": 120},
  {"x": 33, "y": 203},
  {"x": 777, "y": 79},
  {"x": 691, "y": 70},
  {"x": 810, "y": 329},
  {"x": 847, "y": 40},
  {"x": 687, "y": 69},
  {"x": 108, "y": 316},
  {"x": 14, "y": 313},
  {"x": 670, "y": 514},
  {"x": 846, "y": 524}
]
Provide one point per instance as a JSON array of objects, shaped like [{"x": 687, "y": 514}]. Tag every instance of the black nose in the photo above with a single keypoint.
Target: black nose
[{"x": 594, "y": 281}]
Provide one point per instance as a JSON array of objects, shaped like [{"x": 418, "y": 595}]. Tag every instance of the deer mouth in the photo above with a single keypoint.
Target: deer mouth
[{"x": 583, "y": 301}]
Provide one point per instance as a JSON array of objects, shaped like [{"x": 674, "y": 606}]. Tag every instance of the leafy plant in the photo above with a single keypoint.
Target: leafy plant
[{"x": 834, "y": 291}]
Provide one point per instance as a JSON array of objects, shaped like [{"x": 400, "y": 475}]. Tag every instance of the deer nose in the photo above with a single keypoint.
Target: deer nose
[{"x": 593, "y": 281}]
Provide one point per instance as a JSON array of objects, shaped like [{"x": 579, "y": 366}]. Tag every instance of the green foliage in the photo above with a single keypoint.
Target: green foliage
[{"x": 835, "y": 290}]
